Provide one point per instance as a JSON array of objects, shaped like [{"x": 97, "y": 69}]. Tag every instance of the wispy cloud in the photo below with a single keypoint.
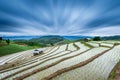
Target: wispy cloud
[{"x": 60, "y": 17}]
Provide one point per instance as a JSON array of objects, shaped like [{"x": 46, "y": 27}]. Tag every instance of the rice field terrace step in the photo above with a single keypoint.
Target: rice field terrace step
[
  {"x": 98, "y": 69},
  {"x": 76, "y": 46},
  {"x": 71, "y": 47},
  {"x": 56, "y": 66},
  {"x": 45, "y": 54},
  {"x": 54, "y": 52},
  {"x": 103, "y": 44},
  {"x": 50, "y": 65},
  {"x": 20, "y": 63},
  {"x": 88, "y": 45},
  {"x": 48, "y": 49},
  {"x": 16, "y": 62},
  {"x": 67, "y": 55},
  {"x": 8, "y": 63},
  {"x": 28, "y": 67},
  {"x": 66, "y": 69},
  {"x": 93, "y": 44},
  {"x": 15, "y": 56}
]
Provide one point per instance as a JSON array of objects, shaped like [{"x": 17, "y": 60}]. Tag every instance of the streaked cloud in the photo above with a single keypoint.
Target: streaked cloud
[{"x": 60, "y": 17}]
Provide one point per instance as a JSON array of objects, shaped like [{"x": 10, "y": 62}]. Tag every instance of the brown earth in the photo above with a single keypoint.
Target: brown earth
[{"x": 117, "y": 71}]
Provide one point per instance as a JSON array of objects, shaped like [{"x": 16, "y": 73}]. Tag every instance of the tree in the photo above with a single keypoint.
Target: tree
[
  {"x": 8, "y": 41},
  {"x": 0, "y": 39},
  {"x": 97, "y": 38},
  {"x": 51, "y": 44},
  {"x": 86, "y": 40}
]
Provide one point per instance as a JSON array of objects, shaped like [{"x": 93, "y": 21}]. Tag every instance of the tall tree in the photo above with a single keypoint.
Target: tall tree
[
  {"x": 97, "y": 38},
  {"x": 8, "y": 41},
  {"x": 0, "y": 39}
]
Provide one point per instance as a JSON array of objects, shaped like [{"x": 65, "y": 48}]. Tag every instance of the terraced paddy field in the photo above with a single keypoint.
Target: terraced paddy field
[{"x": 92, "y": 60}]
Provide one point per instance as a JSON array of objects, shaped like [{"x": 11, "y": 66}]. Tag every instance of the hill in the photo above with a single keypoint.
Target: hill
[
  {"x": 75, "y": 37},
  {"x": 48, "y": 40},
  {"x": 116, "y": 37}
]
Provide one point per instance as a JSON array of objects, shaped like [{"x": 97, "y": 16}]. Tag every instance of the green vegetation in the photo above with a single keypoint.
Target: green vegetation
[
  {"x": 27, "y": 42},
  {"x": 115, "y": 37},
  {"x": 20, "y": 45},
  {"x": 47, "y": 40},
  {"x": 3, "y": 43},
  {"x": 114, "y": 71},
  {"x": 8, "y": 41},
  {"x": 42, "y": 41},
  {"x": 112, "y": 75},
  {"x": 105, "y": 46},
  {"x": 76, "y": 46},
  {"x": 0, "y": 39},
  {"x": 97, "y": 38},
  {"x": 9, "y": 47},
  {"x": 90, "y": 46},
  {"x": 68, "y": 41},
  {"x": 13, "y": 48}
]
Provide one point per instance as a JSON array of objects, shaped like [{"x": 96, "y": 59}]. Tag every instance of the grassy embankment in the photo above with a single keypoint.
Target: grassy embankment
[
  {"x": 13, "y": 48},
  {"x": 114, "y": 72}
]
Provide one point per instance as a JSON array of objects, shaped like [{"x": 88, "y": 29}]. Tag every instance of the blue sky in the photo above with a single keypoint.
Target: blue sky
[{"x": 60, "y": 17}]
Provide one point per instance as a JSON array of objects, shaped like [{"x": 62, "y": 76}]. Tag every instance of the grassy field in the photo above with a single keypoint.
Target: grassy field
[{"x": 13, "y": 48}]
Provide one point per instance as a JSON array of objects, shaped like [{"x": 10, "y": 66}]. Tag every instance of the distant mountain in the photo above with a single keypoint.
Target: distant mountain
[
  {"x": 31, "y": 37},
  {"x": 75, "y": 37},
  {"x": 20, "y": 37},
  {"x": 116, "y": 37}
]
